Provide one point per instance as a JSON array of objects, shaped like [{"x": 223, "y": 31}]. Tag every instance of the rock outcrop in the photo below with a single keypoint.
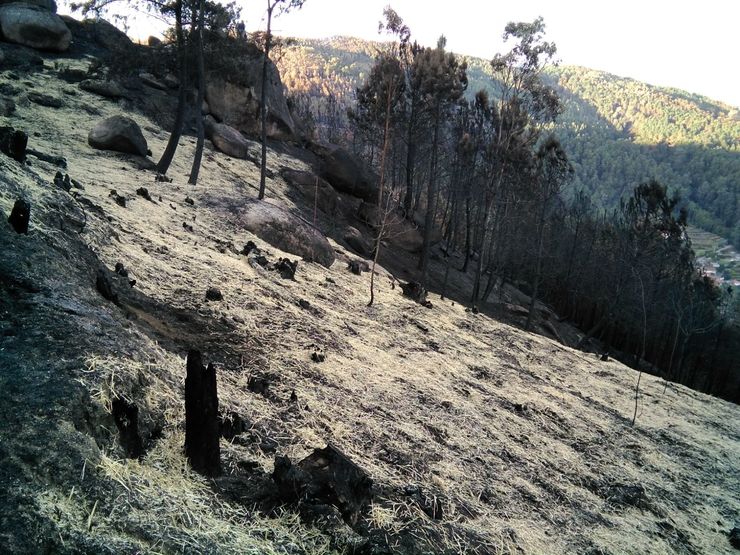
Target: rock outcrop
[
  {"x": 405, "y": 236},
  {"x": 108, "y": 89},
  {"x": 287, "y": 232},
  {"x": 358, "y": 242},
  {"x": 313, "y": 188},
  {"x": 48, "y": 5},
  {"x": 226, "y": 139},
  {"x": 348, "y": 175},
  {"x": 397, "y": 230},
  {"x": 7, "y": 106},
  {"x": 151, "y": 81},
  {"x": 100, "y": 33},
  {"x": 238, "y": 104},
  {"x": 370, "y": 214},
  {"x": 34, "y": 26},
  {"x": 118, "y": 133}
]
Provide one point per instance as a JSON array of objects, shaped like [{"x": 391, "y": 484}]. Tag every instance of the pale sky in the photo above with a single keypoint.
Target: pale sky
[{"x": 690, "y": 45}]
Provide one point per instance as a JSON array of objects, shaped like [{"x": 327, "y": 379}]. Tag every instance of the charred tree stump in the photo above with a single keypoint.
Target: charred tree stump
[
  {"x": 105, "y": 287},
  {"x": 416, "y": 291},
  {"x": 232, "y": 424},
  {"x": 20, "y": 216},
  {"x": 126, "y": 416},
  {"x": 327, "y": 476},
  {"x": 13, "y": 143},
  {"x": 202, "y": 428},
  {"x": 286, "y": 268}
]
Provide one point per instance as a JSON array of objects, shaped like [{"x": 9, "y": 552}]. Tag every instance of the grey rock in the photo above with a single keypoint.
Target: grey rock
[
  {"x": 151, "y": 81},
  {"x": 48, "y": 5},
  {"x": 734, "y": 536},
  {"x": 108, "y": 89},
  {"x": 314, "y": 189},
  {"x": 238, "y": 104},
  {"x": 7, "y": 107},
  {"x": 226, "y": 139},
  {"x": 286, "y": 231},
  {"x": 358, "y": 242},
  {"x": 107, "y": 35},
  {"x": 348, "y": 174},
  {"x": 34, "y": 26},
  {"x": 44, "y": 99},
  {"x": 370, "y": 214},
  {"x": 118, "y": 133},
  {"x": 171, "y": 81}
]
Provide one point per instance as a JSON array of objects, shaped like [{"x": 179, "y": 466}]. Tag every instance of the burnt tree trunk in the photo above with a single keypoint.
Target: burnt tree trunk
[
  {"x": 431, "y": 203},
  {"x": 195, "y": 169},
  {"x": 20, "y": 216},
  {"x": 13, "y": 143},
  {"x": 126, "y": 417},
  {"x": 169, "y": 152},
  {"x": 201, "y": 417},
  {"x": 263, "y": 102},
  {"x": 468, "y": 225}
]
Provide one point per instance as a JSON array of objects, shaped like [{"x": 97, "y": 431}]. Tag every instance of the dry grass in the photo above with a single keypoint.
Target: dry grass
[
  {"x": 190, "y": 515},
  {"x": 518, "y": 438},
  {"x": 163, "y": 507}
]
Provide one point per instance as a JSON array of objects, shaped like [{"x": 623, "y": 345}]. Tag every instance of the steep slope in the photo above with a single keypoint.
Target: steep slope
[
  {"x": 618, "y": 132},
  {"x": 479, "y": 438}
]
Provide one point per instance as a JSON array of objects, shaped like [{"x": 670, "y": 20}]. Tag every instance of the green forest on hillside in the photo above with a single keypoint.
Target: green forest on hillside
[{"x": 618, "y": 132}]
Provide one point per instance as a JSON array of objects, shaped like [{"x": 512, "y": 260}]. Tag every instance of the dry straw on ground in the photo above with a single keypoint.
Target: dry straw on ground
[{"x": 522, "y": 442}]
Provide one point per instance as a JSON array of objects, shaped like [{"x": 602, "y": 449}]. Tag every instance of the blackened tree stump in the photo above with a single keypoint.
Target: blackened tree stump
[
  {"x": 105, "y": 287},
  {"x": 213, "y": 294},
  {"x": 20, "y": 216},
  {"x": 327, "y": 476},
  {"x": 13, "y": 143},
  {"x": 202, "y": 429},
  {"x": 414, "y": 290},
  {"x": 126, "y": 416},
  {"x": 286, "y": 268}
]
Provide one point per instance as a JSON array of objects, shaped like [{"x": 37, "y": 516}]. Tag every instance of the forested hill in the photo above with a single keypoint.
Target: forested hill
[{"x": 618, "y": 132}]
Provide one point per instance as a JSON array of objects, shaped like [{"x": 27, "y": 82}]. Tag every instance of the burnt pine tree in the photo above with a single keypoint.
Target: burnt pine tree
[
  {"x": 380, "y": 98},
  {"x": 283, "y": 6},
  {"x": 201, "y": 72},
  {"x": 524, "y": 105},
  {"x": 407, "y": 55},
  {"x": 380, "y": 105},
  {"x": 390, "y": 85},
  {"x": 481, "y": 124},
  {"x": 169, "y": 152},
  {"x": 441, "y": 79},
  {"x": 553, "y": 172}
]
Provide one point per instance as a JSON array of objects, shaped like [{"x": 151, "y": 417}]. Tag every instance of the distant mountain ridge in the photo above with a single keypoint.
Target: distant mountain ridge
[{"x": 618, "y": 132}]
